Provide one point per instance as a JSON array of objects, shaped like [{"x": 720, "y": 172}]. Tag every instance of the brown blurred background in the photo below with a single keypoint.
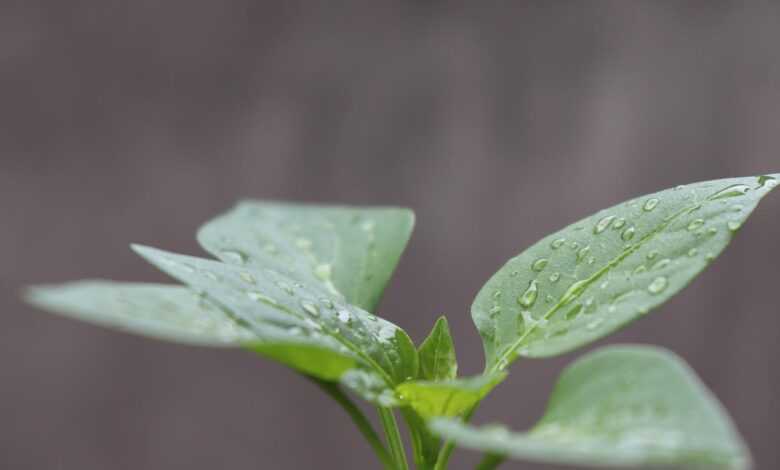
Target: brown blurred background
[{"x": 498, "y": 122}]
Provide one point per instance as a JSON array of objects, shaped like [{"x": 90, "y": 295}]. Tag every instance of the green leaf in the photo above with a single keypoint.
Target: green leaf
[
  {"x": 627, "y": 406},
  {"x": 175, "y": 313},
  {"x": 352, "y": 251},
  {"x": 165, "y": 312},
  {"x": 593, "y": 277},
  {"x": 437, "y": 354},
  {"x": 267, "y": 300},
  {"x": 448, "y": 398}
]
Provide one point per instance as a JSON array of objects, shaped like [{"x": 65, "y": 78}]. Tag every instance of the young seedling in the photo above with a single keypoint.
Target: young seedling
[{"x": 298, "y": 284}]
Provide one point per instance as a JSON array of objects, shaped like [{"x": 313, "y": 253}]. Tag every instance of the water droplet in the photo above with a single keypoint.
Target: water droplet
[
  {"x": 650, "y": 204},
  {"x": 555, "y": 277},
  {"x": 652, "y": 254},
  {"x": 735, "y": 190},
  {"x": 310, "y": 307},
  {"x": 640, "y": 269},
  {"x": 695, "y": 224},
  {"x": 712, "y": 231},
  {"x": 768, "y": 181},
  {"x": 528, "y": 298},
  {"x": 734, "y": 225},
  {"x": 344, "y": 316},
  {"x": 497, "y": 294},
  {"x": 628, "y": 234},
  {"x": 710, "y": 257},
  {"x": 693, "y": 252},
  {"x": 367, "y": 226},
  {"x": 234, "y": 256},
  {"x": 575, "y": 245},
  {"x": 679, "y": 187},
  {"x": 260, "y": 297},
  {"x": 737, "y": 208},
  {"x": 661, "y": 264},
  {"x": 549, "y": 299},
  {"x": 591, "y": 259},
  {"x": 210, "y": 275},
  {"x": 619, "y": 223},
  {"x": 328, "y": 304},
  {"x": 247, "y": 277},
  {"x": 387, "y": 332},
  {"x": 514, "y": 273},
  {"x": 323, "y": 271},
  {"x": 539, "y": 264},
  {"x": 583, "y": 253},
  {"x": 658, "y": 285},
  {"x": 603, "y": 224},
  {"x": 494, "y": 311},
  {"x": 557, "y": 243},
  {"x": 604, "y": 285}
]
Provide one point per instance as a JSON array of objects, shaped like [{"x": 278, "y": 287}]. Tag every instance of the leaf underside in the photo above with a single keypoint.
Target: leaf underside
[
  {"x": 621, "y": 406},
  {"x": 591, "y": 278}
]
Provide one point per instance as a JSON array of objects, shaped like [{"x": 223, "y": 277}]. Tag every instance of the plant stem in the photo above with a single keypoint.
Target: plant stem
[
  {"x": 360, "y": 420},
  {"x": 446, "y": 451},
  {"x": 490, "y": 462},
  {"x": 390, "y": 426}
]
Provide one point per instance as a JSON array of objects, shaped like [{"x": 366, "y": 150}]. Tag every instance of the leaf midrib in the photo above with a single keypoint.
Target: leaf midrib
[{"x": 509, "y": 355}]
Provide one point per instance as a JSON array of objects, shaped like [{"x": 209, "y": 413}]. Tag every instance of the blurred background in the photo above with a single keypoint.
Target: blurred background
[{"x": 498, "y": 122}]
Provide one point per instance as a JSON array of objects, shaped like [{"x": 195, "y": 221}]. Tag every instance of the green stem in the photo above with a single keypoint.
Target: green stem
[
  {"x": 446, "y": 451},
  {"x": 360, "y": 420},
  {"x": 491, "y": 462},
  {"x": 389, "y": 424}
]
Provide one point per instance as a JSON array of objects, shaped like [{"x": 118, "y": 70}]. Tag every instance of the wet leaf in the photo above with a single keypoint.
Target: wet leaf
[
  {"x": 437, "y": 354},
  {"x": 351, "y": 251},
  {"x": 264, "y": 299},
  {"x": 626, "y": 406},
  {"x": 591, "y": 278}
]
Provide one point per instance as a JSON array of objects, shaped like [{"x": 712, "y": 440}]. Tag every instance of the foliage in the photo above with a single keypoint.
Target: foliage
[{"x": 299, "y": 284}]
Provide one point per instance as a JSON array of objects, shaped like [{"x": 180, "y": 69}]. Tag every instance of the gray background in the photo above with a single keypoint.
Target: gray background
[{"x": 497, "y": 122}]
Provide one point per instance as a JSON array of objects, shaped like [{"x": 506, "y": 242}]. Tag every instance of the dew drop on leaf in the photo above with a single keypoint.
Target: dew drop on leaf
[
  {"x": 260, "y": 297},
  {"x": 539, "y": 264},
  {"x": 528, "y": 298},
  {"x": 557, "y": 243},
  {"x": 658, "y": 285},
  {"x": 695, "y": 224},
  {"x": 619, "y": 223},
  {"x": 733, "y": 226},
  {"x": 344, "y": 316},
  {"x": 310, "y": 307},
  {"x": 693, "y": 252},
  {"x": 603, "y": 224},
  {"x": 650, "y": 204},
  {"x": 583, "y": 253},
  {"x": 555, "y": 277},
  {"x": 628, "y": 234}
]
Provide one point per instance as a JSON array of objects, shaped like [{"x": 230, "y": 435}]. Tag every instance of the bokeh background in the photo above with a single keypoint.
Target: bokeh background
[{"x": 498, "y": 122}]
